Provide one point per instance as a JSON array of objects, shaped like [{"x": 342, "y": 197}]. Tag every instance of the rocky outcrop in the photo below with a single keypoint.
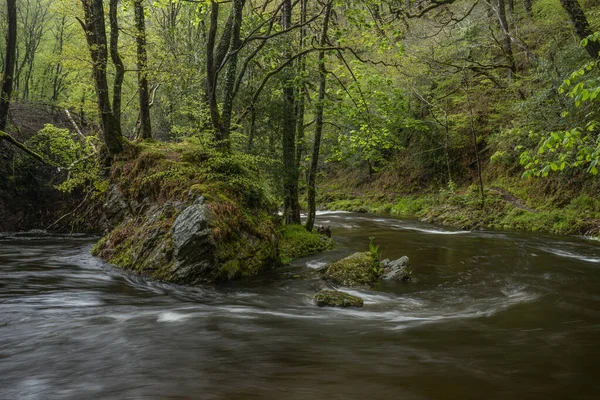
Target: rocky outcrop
[
  {"x": 162, "y": 222},
  {"x": 192, "y": 241},
  {"x": 335, "y": 298},
  {"x": 396, "y": 270}
]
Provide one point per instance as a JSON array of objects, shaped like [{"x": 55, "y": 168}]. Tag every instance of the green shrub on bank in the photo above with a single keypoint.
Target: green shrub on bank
[{"x": 297, "y": 242}]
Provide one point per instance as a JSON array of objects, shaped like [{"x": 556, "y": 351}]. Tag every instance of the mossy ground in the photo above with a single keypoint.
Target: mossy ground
[{"x": 297, "y": 242}]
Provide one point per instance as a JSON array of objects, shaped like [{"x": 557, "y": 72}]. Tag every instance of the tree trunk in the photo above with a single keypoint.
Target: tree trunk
[
  {"x": 314, "y": 162},
  {"x": 527, "y": 4},
  {"x": 581, "y": 24},
  {"x": 252, "y": 132},
  {"x": 230, "y": 76},
  {"x": 291, "y": 205},
  {"x": 145, "y": 128},
  {"x": 506, "y": 41},
  {"x": 95, "y": 30},
  {"x": 57, "y": 80},
  {"x": 211, "y": 74},
  {"x": 300, "y": 108},
  {"x": 475, "y": 147},
  {"x": 9, "y": 62},
  {"x": 6, "y": 137},
  {"x": 116, "y": 59}
]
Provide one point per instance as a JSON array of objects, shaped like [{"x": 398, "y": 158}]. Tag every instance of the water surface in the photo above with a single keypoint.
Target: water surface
[{"x": 490, "y": 315}]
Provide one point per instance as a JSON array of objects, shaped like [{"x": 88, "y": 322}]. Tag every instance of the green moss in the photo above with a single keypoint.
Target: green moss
[
  {"x": 297, "y": 242},
  {"x": 354, "y": 205},
  {"x": 99, "y": 246},
  {"x": 355, "y": 270},
  {"x": 334, "y": 298}
]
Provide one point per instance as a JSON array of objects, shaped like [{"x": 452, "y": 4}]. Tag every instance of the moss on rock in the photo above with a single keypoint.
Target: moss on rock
[
  {"x": 335, "y": 298},
  {"x": 357, "y": 269},
  {"x": 160, "y": 182}
]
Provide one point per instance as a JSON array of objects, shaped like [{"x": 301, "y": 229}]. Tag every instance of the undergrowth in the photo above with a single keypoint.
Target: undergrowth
[{"x": 297, "y": 242}]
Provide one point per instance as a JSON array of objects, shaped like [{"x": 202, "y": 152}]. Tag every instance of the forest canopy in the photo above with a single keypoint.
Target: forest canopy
[{"x": 412, "y": 95}]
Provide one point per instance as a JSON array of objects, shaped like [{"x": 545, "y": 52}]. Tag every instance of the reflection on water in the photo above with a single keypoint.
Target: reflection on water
[{"x": 490, "y": 315}]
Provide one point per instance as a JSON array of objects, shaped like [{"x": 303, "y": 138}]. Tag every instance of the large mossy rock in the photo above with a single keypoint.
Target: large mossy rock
[
  {"x": 335, "y": 298},
  {"x": 178, "y": 215},
  {"x": 358, "y": 269}
]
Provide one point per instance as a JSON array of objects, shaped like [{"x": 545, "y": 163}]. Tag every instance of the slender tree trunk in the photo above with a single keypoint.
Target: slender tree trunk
[
  {"x": 252, "y": 130},
  {"x": 291, "y": 205},
  {"x": 475, "y": 147},
  {"x": 56, "y": 80},
  {"x": 506, "y": 41},
  {"x": 116, "y": 59},
  {"x": 215, "y": 56},
  {"x": 527, "y": 4},
  {"x": 211, "y": 75},
  {"x": 95, "y": 30},
  {"x": 581, "y": 24},
  {"x": 314, "y": 162},
  {"x": 142, "y": 65},
  {"x": 300, "y": 109},
  {"x": 9, "y": 62},
  {"x": 447, "y": 146},
  {"x": 230, "y": 76}
]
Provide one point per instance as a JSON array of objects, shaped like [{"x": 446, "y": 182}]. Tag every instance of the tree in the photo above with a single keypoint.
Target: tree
[
  {"x": 145, "y": 129},
  {"x": 314, "y": 162},
  {"x": 581, "y": 24},
  {"x": 116, "y": 59},
  {"x": 9, "y": 62},
  {"x": 291, "y": 205},
  {"x": 95, "y": 31},
  {"x": 33, "y": 21}
]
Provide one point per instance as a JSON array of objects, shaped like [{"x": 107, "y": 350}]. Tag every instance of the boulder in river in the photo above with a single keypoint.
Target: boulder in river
[
  {"x": 173, "y": 218},
  {"x": 335, "y": 298},
  {"x": 358, "y": 269},
  {"x": 396, "y": 270}
]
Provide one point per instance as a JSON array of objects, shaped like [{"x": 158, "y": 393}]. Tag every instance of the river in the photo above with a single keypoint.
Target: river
[{"x": 489, "y": 315}]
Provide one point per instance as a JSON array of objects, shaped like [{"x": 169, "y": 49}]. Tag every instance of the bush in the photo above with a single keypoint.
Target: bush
[{"x": 297, "y": 242}]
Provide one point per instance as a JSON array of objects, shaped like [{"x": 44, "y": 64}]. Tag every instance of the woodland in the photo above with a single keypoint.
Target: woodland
[{"x": 473, "y": 113}]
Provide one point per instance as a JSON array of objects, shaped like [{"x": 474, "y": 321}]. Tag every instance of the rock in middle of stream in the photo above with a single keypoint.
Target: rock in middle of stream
[{"x": 335, "y": 298}]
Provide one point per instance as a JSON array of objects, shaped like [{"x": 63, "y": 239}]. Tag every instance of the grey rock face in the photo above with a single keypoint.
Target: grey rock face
[
  {"x": 193, "y": 247},
  {"x": 115, "y": 205},
  {"x": 396, "y": 270}
]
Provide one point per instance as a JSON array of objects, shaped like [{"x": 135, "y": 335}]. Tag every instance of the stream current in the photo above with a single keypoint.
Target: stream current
[{"x": 489, "y": 315}]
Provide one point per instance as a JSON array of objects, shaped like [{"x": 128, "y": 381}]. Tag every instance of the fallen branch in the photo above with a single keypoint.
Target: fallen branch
[
  {"x": 77, "y": 129},
  {"x": 22, "y": 147},
  {"x": 72, "y": 212}
]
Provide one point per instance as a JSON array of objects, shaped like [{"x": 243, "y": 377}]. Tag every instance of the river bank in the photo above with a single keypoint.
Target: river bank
[{"x": 507, "y": 204}]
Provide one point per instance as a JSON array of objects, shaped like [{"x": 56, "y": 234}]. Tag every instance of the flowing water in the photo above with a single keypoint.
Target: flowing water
[{"x": 489, "y": 315}]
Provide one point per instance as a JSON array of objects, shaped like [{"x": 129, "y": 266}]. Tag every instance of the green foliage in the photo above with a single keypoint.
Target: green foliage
[
  {"x": 579, "y": 146},
  {"x": 297, "y": 242},
  {"x": 71, "y": 153}
]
